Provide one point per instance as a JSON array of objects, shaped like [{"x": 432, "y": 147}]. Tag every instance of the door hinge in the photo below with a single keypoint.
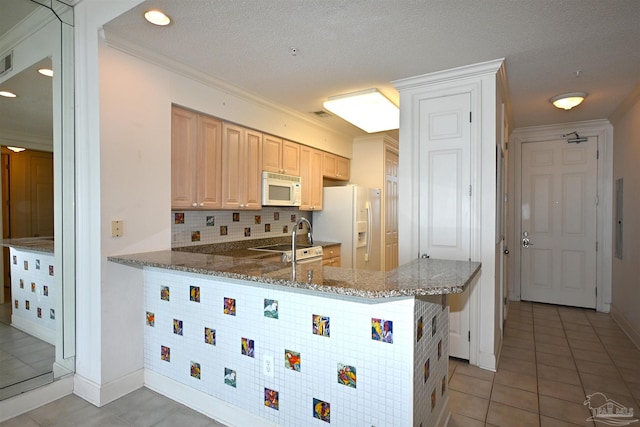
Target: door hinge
[
  {"x": 470, "y": 117},
  {"x": 469, "y": 336},
  {"x": 597, "y": 154},
  {"x": 596, "y": 246}
]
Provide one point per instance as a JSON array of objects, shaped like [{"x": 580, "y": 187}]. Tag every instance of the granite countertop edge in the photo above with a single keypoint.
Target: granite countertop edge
[
  {"x": 400, "y": 275},
  {"x": 37, "y": 244}
]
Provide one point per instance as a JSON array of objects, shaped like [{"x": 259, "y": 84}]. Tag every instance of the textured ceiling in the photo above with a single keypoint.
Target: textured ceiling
[{"x": 343, "y": 46}]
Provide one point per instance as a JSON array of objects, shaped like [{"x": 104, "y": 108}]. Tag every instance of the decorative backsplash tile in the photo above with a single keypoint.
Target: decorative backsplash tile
[
  {"x": 347, "y": 375},
  {"x": 247, "y": 347},
  {"x": 230, "y": 306},
  {"x": 271, "y": 399},
  {"x": 190, "y": 228},
  {"x": 321, "y": 325},
  {"x": 292, "y": 360},
  {"x": 382, "y": 330},
  {"x": 270, "y": 308},
  {"x": 321, "y": 410},
  {"x": 230, "y": 377}
]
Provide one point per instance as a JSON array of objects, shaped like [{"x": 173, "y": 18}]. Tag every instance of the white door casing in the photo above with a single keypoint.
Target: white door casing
[
  {"x": 445, "y": 202},
  {"x": 558, "y": 222}
]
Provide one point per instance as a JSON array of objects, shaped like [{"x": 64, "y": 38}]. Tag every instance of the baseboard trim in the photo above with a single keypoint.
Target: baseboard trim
[
  {"x": 210, "y": 406},
  {"x": 100, "y": 395},
  {"x": 25, "y": 402},
  {"x": 34, "y": 329},
  {"x": 626, "y": 326}
]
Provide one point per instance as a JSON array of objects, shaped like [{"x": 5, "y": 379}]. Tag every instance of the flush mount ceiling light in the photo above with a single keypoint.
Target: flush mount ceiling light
[
  {"x": 46, "y": 72},
  {"x": 367, "y": 109},
  {"x": 567, "y": 101},
  {"x": 7, "y": 94},
  {"x": 157, "y": 17},
  {"x": 16, "y": 149}
]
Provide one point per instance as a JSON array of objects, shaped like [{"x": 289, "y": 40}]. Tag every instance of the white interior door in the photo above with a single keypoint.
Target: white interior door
[
  {"x": 558, "y": 225},
  {"x": 445, "y": 202}
]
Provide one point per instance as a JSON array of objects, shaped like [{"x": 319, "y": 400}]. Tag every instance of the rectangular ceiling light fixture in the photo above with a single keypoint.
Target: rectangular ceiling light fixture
[{"x": 367, "y": 109}]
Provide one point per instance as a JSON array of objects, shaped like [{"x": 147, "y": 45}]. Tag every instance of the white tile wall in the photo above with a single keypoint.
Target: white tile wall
[
  {"x": 207, "y": 224},
  {"x": 32, "y": 282},
  {"x": 385, "y": 371}
]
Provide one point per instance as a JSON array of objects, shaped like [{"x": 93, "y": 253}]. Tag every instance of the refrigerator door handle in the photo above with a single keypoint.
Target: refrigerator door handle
[{"x": 369, "y": 228}]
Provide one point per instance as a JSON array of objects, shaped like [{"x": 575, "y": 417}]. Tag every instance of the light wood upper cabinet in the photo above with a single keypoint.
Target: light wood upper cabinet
[
  {"x": 335, "y": 167},
  {"x": 241, "y": 168},
  {"x": 280, "y": 155},
  {"x": 196, "y": 149},
  {"x": 311, "y": 174}
]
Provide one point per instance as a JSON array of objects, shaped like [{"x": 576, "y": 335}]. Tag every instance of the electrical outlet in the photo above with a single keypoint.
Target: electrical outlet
[{"x": 267, "y": 365}]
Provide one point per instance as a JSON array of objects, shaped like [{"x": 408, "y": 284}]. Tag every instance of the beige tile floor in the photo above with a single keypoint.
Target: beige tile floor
[{"x": 552, "y": 358}]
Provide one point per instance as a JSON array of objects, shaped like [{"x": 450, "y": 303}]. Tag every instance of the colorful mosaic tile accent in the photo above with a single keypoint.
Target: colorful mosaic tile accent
[
  {"x": 165, "y": 353},
  {"x": 45, "y": 290},
  {"x": 444, "y": 385},
  {"x": 257, "y": 219},
  {"x": 165, "y": 293},
  {"x": 195, "y": 236},
  {"x": 179, "y": 218},
  {"x": 51, "y": 270},
  {"x": 276, "y": 216},
  {"x": 419, "y": 330},
  {"x": 21, "y": 283},
  {"x": 382, "y": 330},
  {"x": 434, "y": 327},
  {"x": 27, "y": 305},
  {"x": 292, "y": 360},
  {"x": 426, "y": 370},
  {"x": 16, "y": 304},
  {"x": 194, "y": 293},
  {"x": 210, "y": 220},
  {"x": 196, "y": 370},
  {"x": 321, "y": 325},
  {"x": 151, "y": 319},
  {"x": 223, "y": 230},
  {"x": 52, "y": 314},
  {"x": 267, "y": 228},
  {"x": 230, "y": 377},
  {"x": 347, "y": 375},
  {"x": 247, "y": 232},
  {"x": 210, "y": 336},
  {"x": 321, "y": 410},
  {"x": 230, "y": 306},
  {"x": 285, "y": 229},
  {"x": 39, "y": 313},
  {"x": 236, "y": 217},
  {"x": 270, "y": 308},
  {"x": 271, "y": 399},
  {"x": 37, "y": 264},
  {"x": 177, "y": 327},
  {"x": 33, "y": 287},
  {"x": 247, "y": 347},
  {"x": 440, "y": 349},
  {"x": 433, "y": 399},
  {"x": 15, "y": 260},
  {"x": 26, "y": 265}
]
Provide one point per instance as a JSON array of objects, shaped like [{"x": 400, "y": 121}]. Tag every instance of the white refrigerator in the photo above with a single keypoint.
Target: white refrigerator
[{"x": 351, "y": 216}]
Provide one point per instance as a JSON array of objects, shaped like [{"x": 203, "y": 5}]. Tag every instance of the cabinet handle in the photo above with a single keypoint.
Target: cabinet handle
[
  {"x": 194, "y": 205},
  {"x": 241, "y": 205}
]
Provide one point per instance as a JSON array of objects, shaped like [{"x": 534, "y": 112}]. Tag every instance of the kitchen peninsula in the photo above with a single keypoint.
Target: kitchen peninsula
[
  {"x": 251, "y": 341},
  {"x": 33, "y": 286}
]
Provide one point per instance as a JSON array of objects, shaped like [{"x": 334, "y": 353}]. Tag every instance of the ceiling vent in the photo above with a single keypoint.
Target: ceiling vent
[
  {"x": 6, "y": 63},
  {"x": 322, "y": 114}
]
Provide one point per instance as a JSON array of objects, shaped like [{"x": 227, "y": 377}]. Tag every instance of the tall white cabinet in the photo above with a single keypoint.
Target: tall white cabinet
[
  {"x": 375, "y": 165},
  {"x": 450, "y": 131}
]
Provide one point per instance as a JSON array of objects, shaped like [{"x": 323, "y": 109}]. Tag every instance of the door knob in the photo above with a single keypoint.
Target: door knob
[{"x": 526, "y": 243}]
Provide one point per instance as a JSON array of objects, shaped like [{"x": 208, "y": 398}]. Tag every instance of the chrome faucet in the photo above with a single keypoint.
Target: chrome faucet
[{"x": 293, "y": 238}]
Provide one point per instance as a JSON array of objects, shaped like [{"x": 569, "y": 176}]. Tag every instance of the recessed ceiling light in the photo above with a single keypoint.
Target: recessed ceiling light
[
  {"x": 46, "y": 72},
  {"x": 16, "y": 149},
  {"x": 567, "y": 101},
  {"x": 7, "y": 94},
  {"x": 157, "y": 17}
]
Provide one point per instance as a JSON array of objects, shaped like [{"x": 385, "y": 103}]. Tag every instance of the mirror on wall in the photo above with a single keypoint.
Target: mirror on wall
[{"x": 37, "y": 341}]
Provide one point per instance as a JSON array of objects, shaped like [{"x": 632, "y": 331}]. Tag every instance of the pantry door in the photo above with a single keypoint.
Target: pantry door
[
  {"x": 558, "y": 222},
  {"x": 445, "y": 200}
]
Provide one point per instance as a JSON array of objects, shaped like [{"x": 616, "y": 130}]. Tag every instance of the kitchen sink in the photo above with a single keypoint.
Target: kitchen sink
[{"x": 279, "y": 247}]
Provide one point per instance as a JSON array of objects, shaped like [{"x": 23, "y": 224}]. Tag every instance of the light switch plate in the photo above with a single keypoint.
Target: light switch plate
[{"x": 116, "y": 228}]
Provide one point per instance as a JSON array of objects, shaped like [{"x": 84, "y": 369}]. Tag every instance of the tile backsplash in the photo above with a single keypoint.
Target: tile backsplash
[{"x": 192, "y": 228}]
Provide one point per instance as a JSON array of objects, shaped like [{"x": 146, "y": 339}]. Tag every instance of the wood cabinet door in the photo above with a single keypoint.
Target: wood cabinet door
[
  {"x": 271, "y": 153},
  {"x": 342, "y": 168},
  {"x": 251, "y": 170},
  {"x": 290, "y": 158},
  {"x": 315, "y": 171},
  {"x": 329, "y": 165},
  {"x": 183, "y": 170},
  {"x": 232, "y": 160},
  {"x": 209, "y": 161}
]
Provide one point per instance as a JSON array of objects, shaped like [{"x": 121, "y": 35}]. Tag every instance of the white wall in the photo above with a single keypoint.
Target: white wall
[
  {"x": 123, "y": 172},
  {"x": 626, "y": 158}
]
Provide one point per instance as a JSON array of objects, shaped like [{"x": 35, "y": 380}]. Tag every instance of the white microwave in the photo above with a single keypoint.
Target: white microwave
[{"x": 281, "y": 190}]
